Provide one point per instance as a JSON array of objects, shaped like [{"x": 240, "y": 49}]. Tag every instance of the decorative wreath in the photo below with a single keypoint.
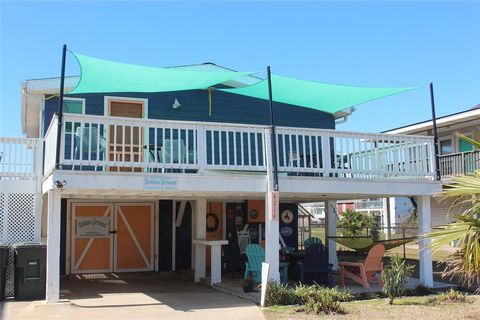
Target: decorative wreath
[{"x": 212, "y": 218}]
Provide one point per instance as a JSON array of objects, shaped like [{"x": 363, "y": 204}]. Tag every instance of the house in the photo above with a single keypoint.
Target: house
[
  {"x": 157, "y": 179},
  {"x": 457, "y": 157}
]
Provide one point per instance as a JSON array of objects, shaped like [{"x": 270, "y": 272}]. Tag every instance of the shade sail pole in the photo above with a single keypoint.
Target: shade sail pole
[
  {"x": 60, "y": 108},
  {"x": 435, "y": 134},
  {"x": 272, "y": 132}
]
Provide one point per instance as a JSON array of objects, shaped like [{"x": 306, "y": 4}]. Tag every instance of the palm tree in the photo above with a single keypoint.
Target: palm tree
[{"x": 465, "y": 231}]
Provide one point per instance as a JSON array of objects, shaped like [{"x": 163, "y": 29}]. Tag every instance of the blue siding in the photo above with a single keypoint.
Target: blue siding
[{"x": 226, "y": 108}]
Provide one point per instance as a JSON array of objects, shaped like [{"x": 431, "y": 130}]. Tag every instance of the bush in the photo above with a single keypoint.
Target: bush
[
  {"x": 278, "y": 295},
  {"x": 319, "y": 299},
  {"x": 395, "y": 278},
  {"x": 354, "y": 223},
  {"x": 452, "y": 296}
]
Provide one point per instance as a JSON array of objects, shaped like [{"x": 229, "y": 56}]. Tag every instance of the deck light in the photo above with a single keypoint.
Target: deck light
[{"x": 176, "y": 104}]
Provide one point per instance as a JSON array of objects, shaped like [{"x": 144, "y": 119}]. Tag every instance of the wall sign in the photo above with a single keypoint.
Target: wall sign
[
  {"x": 92, "y": 227},
  {"x": 160, "y": 183},
  {"x": 287, "y": 216},
  {"x": 274, "y": 198}
]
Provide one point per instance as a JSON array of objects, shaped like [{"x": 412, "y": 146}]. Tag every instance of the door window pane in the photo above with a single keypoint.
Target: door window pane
[{"x": 446, "y": 146}]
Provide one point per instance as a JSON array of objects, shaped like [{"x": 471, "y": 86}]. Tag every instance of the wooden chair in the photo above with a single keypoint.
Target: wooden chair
[
  {"x": 315, "y": 266},
  {"x": 366, "y": 271},
  {"x": 309, "y": 241},
  {"x": 256, "y": 256}
]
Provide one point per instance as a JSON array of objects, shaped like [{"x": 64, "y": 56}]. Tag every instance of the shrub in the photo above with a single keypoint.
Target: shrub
[
  {"x": 319, "y": 299},
  {"x": 395, "y": 278},
  {"x": 452, "y": 296},
  {"x": 278, "y": 295},
  {"x": 354, "y": 223}
]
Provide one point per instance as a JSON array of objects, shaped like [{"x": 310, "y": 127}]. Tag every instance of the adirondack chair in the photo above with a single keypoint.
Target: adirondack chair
[
  {"x": 256, "y": 256},
  {"x": 366, "y": 271},
  {"x": 315, "y": 266},
  {"x": 232, "y": 257},
  {"x": 310, "y": 241}
]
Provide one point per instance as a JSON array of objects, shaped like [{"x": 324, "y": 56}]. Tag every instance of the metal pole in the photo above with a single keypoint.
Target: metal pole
[
  {"x": 60, "y": 108},
  {"x": 435, "y": 134},
  {"x": 272, "y": 132}
]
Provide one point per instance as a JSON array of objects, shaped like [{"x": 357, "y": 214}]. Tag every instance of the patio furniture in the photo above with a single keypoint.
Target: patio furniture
[
  {"x": 315, "y": 266},
  {"x": 312, "y": 240},
  {"x": 256, "y": 256},
  {"x": 366, "y": 271},
  {"x": 90, "y": 144},
  {"x": 243, "y": 237},
  {"x": 232, "y": 257}
]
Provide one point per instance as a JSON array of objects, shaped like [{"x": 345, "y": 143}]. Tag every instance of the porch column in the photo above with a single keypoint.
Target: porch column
[
  {"x": 200, "y": 234},
  {"x": 272, "y": 238},
  {"x": 331, "y": 226},
  {"x": 53, "y": 246},
  {"x": 425, "y": 251}
]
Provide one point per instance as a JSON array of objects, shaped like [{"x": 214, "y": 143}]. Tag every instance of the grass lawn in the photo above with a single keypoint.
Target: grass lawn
[{"x": 411, "y": 308}]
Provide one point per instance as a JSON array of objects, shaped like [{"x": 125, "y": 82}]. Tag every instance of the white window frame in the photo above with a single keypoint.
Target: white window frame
[
  {"x": 452, "y": 139},
  {"x": 82, "y": 100}
]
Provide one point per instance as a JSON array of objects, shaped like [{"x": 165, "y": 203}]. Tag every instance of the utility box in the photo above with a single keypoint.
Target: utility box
[
  {"x": 3, "y": 269},
  {"x": 30, "y": 270}
]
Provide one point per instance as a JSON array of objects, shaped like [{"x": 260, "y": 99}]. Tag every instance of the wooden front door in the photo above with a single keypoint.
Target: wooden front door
[
  {"x": 125, "y": 141},
  {"x": 112, "y": 237}
]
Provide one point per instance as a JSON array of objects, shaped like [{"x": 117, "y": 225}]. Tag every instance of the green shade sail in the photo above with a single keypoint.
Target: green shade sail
[
  {"x": 315, "y": 95},
  {"x": 98, "y": 76}
]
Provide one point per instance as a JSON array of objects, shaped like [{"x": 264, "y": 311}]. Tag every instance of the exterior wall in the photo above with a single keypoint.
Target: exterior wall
[
  {"x": 226, "y": 108},
  {"x": 440, "y": 211}
]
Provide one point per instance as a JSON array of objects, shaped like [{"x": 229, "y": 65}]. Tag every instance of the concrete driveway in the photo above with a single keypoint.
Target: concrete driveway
[{"x": 139, "y": 296}]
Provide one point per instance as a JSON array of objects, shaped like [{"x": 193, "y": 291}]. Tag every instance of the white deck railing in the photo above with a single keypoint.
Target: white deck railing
[
  {"x": 19, "y": 158},
  {"x": 461, "y": 163},
  {"x": 141, "y": 145}
]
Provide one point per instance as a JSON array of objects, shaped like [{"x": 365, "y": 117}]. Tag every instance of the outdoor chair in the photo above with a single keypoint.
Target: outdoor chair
[
  {"x": 365, "y": 271},
  {"x": 315, "y": 267},
  {"x": 256, "y": 256},
  {"x": 232, "y": 258},
  {"x": 243, "y": 237},
  {"x": 89, "y": 142},
  {"x": 310, "y": 241}
]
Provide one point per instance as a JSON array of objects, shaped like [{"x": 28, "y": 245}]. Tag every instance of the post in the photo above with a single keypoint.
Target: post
[
  {"x": 272, "y": 132},
  {"x": 435, "y": 134},
  {"x": 272, "y": 224},
  {"x": 60, "y": 109},
  {"x": 53, "y": 246},
  {"x": 425, "y": 251},
  {"x": 331, "y": 211},
  {"x": 201, "y": 234},
  {"x": 388, "y": 211}
]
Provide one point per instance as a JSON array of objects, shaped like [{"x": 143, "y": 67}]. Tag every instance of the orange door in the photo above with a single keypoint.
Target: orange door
[
  {"x": 214, "y": 225},
  {"x": 109, "y": 237},
  {"x": 92, "y": 242},
  {"x": 134, "y": 236}
]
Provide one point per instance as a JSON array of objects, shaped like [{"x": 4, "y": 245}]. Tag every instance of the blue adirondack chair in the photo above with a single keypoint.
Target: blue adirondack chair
[
  {"x": 315, "y": 266},
  {"x": 310, "y": 241},
  {"x": 256, "y": 256}
]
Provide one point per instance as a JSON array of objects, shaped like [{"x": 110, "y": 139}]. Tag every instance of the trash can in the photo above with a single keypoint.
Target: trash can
[
  {"x": 30, "y": 270},
  {"x": 3, "y": 269}
]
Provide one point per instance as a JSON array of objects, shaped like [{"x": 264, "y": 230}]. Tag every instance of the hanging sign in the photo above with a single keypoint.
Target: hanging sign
[
  {"x": 92, "y": 227},
  {"x": 274, "y": 197}
]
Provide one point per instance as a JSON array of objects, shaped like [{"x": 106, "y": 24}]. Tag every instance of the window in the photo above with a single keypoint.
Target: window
[
  {"x": 446, "y": 146},
  {"x": 71, "y": 105}
]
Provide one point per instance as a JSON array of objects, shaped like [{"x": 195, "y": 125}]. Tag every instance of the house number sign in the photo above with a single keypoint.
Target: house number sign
[{"x": 92, "y": 227}]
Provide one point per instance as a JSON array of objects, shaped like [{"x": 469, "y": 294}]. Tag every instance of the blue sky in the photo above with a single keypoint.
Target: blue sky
[{"x": 359, "y": 43}]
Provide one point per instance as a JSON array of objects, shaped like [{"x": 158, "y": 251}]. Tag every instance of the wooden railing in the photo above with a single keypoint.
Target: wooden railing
[
  {"x": 461, "y": 163},
  {"x": 140, "y": 145},
  {"x": 19, "y": 158}
]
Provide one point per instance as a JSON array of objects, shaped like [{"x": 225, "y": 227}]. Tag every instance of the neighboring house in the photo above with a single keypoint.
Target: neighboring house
[
  {"x": 156, "y": 181},
  {"x": 457, "y": 156}
]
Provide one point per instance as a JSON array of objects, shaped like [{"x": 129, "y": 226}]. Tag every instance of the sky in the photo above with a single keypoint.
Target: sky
[{"x": 385, "y": 44}]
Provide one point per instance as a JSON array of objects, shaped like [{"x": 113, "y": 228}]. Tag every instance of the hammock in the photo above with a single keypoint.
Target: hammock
[{"x": 364, "y": 244}]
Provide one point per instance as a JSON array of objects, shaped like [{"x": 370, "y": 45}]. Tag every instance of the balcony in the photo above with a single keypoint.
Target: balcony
[
  {"x": 462, "y": 163},
  {"x": 19, "y": 158},
  {"x": 115, "y": 145}
]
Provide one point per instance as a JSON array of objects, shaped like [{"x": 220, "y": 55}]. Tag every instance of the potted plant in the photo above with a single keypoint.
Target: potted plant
[{"x": 247, "y": 284}]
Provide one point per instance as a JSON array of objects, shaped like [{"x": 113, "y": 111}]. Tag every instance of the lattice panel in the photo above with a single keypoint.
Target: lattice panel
[{"x": 17, "y": 224}]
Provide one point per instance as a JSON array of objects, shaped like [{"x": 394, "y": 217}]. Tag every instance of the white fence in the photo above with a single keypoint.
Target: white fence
[
  {"x": 141, "y": 145},
  {"x": 461, "y": 163}
]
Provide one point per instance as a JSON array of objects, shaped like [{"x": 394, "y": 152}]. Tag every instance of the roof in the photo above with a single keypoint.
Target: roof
[{"x": 468, "y": 115}]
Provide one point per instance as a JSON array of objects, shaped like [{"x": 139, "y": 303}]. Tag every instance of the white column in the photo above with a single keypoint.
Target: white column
[
  {"x": 53, "y": 246},
  {"x": 201, "y": 234},
  {"x": 425, "y": 252},
  {"x": 331, "y": 212},
  {"x": 272, "y": 239},
  {"x": 215, "y": 264},
  {"x": 272, "y": 224}
]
